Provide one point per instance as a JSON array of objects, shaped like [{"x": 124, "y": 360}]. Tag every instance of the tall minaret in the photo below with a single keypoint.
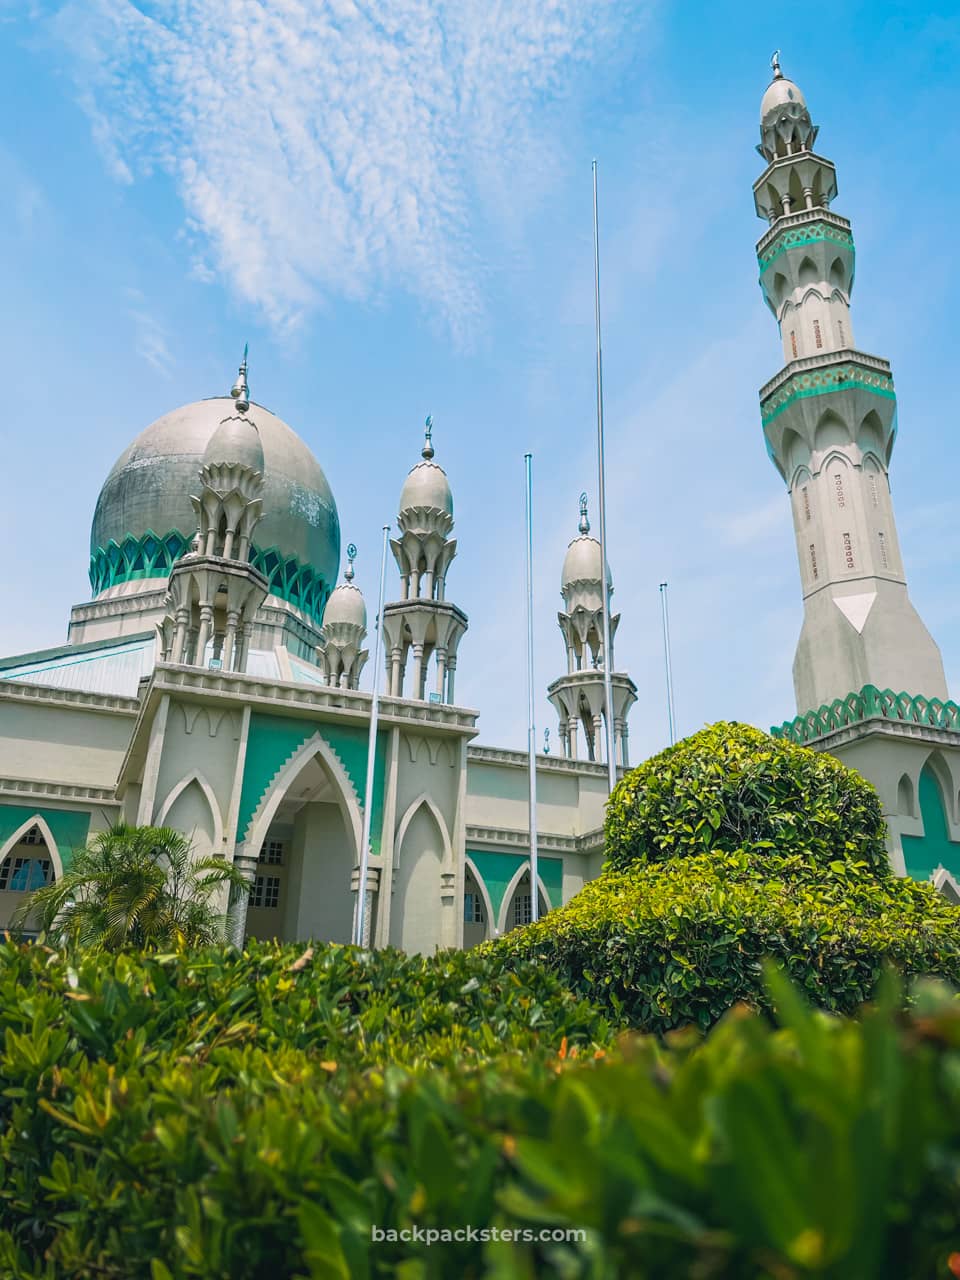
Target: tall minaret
[
  {"x": 579, "y": 697},
  {"x": 423, "y": 622},
  {"x": 829, "y": 418}
]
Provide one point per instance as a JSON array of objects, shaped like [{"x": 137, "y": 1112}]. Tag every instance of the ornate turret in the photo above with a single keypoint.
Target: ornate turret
[
  {"x": 423, "y": 622},
  {"x": 214, "y": 590},
  {"x": 578, "y": 697},
  {"x": 340, "y": 652},
  {"x": 829, "y": 418}
]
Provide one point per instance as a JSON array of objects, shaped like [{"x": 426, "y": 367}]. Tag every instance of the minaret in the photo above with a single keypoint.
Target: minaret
[
  {"x": 423, "y": 622},
  {"x": 340, "y": 652},
  {"x": 829, "y": 418},
  {"x": 578, "y": 697},
  {"x": 214, "y": 590}
]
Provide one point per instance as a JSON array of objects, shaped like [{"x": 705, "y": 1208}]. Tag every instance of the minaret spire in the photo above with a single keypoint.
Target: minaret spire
[
  {"x": 240, "y": 391},
  {"x": 829, "y": 419}
]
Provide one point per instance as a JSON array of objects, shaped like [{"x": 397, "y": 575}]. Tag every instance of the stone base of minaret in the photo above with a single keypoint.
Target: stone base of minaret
[{"x": 580, "y": 702}]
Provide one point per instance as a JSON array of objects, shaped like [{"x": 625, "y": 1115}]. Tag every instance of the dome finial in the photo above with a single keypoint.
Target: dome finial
[
  {"x": 351, "y": 556},
  {"x": 240, "y": 391},
  {"x": 775, "y": 64},
  {"x": 427, "y": 450},
  {"x": 584, "y": 520}
]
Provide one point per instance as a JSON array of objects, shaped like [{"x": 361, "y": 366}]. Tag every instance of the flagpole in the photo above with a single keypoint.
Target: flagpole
[
  {"x": 668, "y": 665},
  {"x": 361, "y": 932},
  {"x": 601, "y": 494},
  {"x": 531, "y": 728}
]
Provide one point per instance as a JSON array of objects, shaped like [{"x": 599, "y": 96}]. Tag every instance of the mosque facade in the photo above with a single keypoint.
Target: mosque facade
[{"x": 212, "y": 682}]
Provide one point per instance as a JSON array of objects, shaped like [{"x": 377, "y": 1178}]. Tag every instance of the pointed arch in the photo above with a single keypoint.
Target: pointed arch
[
  {"x": 423, "y": 800},
  {"x": 807, "y": 272},
  {"x": 41, "y": 824},
  {"x": 511, "y": 889},
  {"x": 195, "y": 776},
  {"x": 906, "y": 805},
  {"x": 831, "y": 431},
  {"x": 937, "y": 766},
  {"x": 347, "y": 799},
  {"x": 470, "y": 866},
  {"x": 838, "y": 274}
]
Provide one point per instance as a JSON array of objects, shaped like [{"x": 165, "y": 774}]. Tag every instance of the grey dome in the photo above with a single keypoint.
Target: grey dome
[
  {"x": 582, "y": 562},
  {"x": 781, "y": 94},
  {"x": 346, "y": 605},
  {"x": 427, "y": 486},
  {"x": 150, "y": 485},
  {"x": 236, "y": 440}
]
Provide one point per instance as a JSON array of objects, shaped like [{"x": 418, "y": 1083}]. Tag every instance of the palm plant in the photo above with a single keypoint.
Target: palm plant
[{"x": 136, "y": 887}]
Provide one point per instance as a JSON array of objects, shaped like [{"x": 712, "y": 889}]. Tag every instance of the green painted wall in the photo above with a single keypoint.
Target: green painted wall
[
  {"x": 69, "y": 827},
  {"x": 274, "y": 739},
  {"x": 923, "y": 854},
  {"x": 496, "y": 870}
]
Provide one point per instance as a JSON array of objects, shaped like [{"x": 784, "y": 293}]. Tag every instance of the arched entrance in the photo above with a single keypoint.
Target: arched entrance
[
  {"x": 477, "y": 914},
  {"x": 305, "y": 838},
  {"x": 28, "y": 860},
  {"x": 518, "y": 904}
]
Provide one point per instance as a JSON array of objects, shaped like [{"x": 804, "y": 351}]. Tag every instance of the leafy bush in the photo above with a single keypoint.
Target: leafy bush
[
  {"x": 731, "y": 785},
  {"x": 667, "y": 943},
  {"x": 236, "y": 1117}
]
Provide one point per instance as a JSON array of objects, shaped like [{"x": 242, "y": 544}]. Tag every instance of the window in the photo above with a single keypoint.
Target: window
[
  {"x": 883, "y": 551},
  {"x": 848, "y": 551},
  {"x": 32, "y": 836},
  {"x": 806, "y": 502},
  {"x": 522, "y": 909},
  {"x": 793, "y": 342},
  {"x": 816, "y": 334},
  {"x": 272, "y": 853},
  {"x": 472, "y": 908},
  {"x": 20, "y": 875},
  {"x": 838, "y": 481},
  {"x": 813, "y": 561},
  {"x": 265, "y": 892}
]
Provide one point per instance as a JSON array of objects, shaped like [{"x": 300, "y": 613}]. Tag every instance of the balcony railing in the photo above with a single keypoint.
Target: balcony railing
[{"x": 870, "y": 703}]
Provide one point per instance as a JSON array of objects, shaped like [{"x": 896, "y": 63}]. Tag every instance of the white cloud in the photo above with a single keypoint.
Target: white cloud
[
  {"x": 325, "y": 148},
  {"x": 150, "y": 337}
]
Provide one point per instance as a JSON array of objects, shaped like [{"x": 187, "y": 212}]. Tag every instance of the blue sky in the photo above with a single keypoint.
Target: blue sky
[{"x": 392, "y": 203}]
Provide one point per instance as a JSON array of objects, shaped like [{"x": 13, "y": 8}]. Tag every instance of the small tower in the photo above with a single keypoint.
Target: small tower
[
  {"x": 829, "y": 419},
  {"x": 340, "y": 652},
  {"x": 578, "y": 697},
  {"x": 423, "y": 622},
  {"x": 214, "y": 590}
]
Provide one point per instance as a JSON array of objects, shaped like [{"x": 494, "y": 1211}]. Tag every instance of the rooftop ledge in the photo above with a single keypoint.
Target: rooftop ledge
[
  {"x": 870, "y": 704},
  {"x": 810, "y": 363},
  {"x": 804, "y": 216}
]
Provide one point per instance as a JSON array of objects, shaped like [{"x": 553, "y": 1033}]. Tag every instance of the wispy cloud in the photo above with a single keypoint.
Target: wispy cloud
[
  {"x": 330, "y": 148},
  {"x": 150, "y": 337}
]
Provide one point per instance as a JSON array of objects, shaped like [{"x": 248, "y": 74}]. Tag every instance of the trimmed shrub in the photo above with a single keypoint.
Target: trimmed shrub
[
  {"x": 211, "y": 1115},
  {"x": 731, "y": 785},
  {"x": 680, "y": 941}
]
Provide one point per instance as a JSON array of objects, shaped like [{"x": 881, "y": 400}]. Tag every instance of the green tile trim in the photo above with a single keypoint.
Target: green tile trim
[
  {"x": 923, "y": 854},
  {"x": 153, "y": 556},
  {"x": 824, "y": 382},
  {"x": 870, "y": 703},
  {"x": 797, "y": 237},
  {"x": 273, "y": 740},
  {"x": 496, "y": 870},
  {"x": 69, "y": 827}
]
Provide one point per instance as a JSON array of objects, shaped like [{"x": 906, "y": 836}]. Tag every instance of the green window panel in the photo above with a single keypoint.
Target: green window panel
[{"x": 923, "y": 854}]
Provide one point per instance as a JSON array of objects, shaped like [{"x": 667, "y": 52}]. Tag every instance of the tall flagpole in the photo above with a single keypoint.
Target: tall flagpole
[
  {"x": 601, "y": 494},
  {"x": 531, "y": 728},
  {"x": 360, "y": 935},
  {"x": 668, "y": 665}
]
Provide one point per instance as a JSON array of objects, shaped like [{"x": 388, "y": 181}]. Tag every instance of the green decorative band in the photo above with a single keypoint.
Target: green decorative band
[
  {"x": 153, "y": 556},
  {"x": 870, "y": 703},
  {"x": 823, "y": 382},
  {"x": 796, "y": 237}
]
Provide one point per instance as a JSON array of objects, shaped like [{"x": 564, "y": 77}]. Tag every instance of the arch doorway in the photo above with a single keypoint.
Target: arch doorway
[
  {"x": 28, "y": 861},
  {"x": 306, "y": 843},
  {"x": 519, "y": 905}
]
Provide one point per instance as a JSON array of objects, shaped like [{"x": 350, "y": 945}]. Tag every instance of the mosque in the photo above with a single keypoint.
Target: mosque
[{"x": 212, "y": 682}]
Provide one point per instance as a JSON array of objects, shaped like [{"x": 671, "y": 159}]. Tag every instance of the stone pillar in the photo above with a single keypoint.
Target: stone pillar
[
  {"x": 451, "y": 674},
  {"x": 180, "y": 635},
  {"x": 417, "y": 690},
  {"x": 441, "y": 670},
  {"x": 229, "y": 639},
  {"x": 396, "y": 677},
  {"x": 203, "y": 635},
  {"x": 598, "y": 738},
  {"x": 246, "y": 863},
  {"x": 572, "y": 742}
]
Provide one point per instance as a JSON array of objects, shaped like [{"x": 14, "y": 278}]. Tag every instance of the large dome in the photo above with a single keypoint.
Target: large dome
[{"x": 144, "y": 518}]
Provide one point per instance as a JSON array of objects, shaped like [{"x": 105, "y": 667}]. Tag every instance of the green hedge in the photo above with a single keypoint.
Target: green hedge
[
  {"x": 238, "y": 1117},
  {"x": 731, "y": 785}
]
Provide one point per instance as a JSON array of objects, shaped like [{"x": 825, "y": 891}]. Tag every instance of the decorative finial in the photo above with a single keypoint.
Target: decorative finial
[
  {"x": 351, "y": 556},
  {"x": 584, "y": 521},
  {"x": 240, "y": 391},
  {"x": 427, "y": 450},
  {"x": 775, "y": 64},
  {"x": 546, "y": 742}
]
